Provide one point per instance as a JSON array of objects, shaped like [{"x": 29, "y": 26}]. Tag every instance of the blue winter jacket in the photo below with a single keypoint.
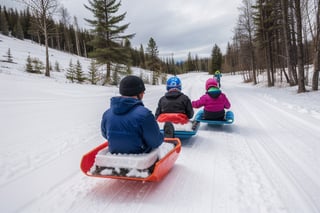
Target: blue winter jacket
[{"x": 130, "y": 127}]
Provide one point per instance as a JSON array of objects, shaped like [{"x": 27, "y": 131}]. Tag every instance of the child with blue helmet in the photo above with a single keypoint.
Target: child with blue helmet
[{"x": 174, "y": 101}]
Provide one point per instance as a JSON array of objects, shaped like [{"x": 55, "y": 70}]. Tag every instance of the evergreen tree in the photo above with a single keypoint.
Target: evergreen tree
[
  {"x": 127, "y": 45},
  {"x": 107, "y": 47},
  {"x": 37, "y": 65},
  {"x": 216, "y": 61},
  {"x": 142, "y": 58},
  {"x": 93, "y": 73},
  {"x": 18, "y": 31},
  {"x": 190, "y": 65},
  {"x": 29, "y": 67},
  {"x": 34, "y": 65},
  {"x": 25, "y": 21},
  {"x": 4, "y": 28},
  {"x": 9, "y": 56},
  {"x": 71, "y": 74},
  {"x": 153, "y": 62},
  {"x": 79, "y": 73}
]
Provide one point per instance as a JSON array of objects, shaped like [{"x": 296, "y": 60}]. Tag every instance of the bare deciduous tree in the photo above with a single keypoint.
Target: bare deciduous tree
[
  {"x": 246, "y": 31},
  {"x": 42, "y": 11}
]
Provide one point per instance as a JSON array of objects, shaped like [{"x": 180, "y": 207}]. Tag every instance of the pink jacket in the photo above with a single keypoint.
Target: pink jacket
[{"x": 212, "y": 104}]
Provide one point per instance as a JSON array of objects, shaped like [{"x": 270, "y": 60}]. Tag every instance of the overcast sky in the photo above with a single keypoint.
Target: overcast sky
[{"x": 177, "y": 26}]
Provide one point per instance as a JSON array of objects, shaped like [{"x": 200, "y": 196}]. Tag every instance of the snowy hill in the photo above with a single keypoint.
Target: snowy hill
[
  {"x": 21, "y": 49},
  {"x": 267, "y": 161}
]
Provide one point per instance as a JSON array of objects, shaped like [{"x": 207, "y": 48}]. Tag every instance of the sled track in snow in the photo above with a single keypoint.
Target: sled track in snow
[{"x": 272, "y": 151}]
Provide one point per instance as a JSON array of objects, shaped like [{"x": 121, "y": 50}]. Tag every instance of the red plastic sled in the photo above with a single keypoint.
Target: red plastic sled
[
  {"x": 173, "y": 117},
  {"x": 161, "y": 168}
]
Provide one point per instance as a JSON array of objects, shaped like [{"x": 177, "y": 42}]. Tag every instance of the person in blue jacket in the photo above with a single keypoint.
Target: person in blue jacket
[
  {"x": 128, "y": 125},
  {"x": 217, "y": 75}
]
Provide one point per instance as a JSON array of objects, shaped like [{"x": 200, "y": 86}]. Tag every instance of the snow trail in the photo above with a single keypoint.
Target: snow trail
[{"x": 267, "y": 161}]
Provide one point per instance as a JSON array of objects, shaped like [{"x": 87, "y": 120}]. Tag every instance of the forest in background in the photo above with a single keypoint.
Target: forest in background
[{"x": 279, "y": 39}]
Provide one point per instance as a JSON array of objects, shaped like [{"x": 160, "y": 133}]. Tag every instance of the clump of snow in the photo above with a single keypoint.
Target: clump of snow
[
  {"x": 106, "y": 171},
  {"x": 179, "y": 127},
  {"x": 137, "y": 173},
  {"x": 139, "y": 161},
  {"x": 164, "y": 149}
]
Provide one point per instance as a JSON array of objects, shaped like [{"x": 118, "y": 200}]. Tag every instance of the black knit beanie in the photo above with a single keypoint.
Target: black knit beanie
[{"x": 131, "y": 85}]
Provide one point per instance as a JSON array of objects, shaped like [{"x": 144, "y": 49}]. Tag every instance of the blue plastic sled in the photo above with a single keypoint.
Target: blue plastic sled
[
  {"x": 229, "y": 119},
  {"x": 185, "y": 134}
]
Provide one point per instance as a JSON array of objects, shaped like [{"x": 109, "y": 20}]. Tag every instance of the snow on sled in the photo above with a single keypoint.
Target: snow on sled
[
  {"x": 183, "y": 127},
  {"x": 229, "y": 119},
  {"x": 151, "y": 166}
]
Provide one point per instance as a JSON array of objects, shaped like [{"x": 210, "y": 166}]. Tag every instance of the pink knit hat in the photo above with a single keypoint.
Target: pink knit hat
[{"x": 211, "y": 82}]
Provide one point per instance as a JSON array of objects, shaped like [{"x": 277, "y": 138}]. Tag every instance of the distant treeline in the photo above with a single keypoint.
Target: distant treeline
[{"x": 278, "y": 39}]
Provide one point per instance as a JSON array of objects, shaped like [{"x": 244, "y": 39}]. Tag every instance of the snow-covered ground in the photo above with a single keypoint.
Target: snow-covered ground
[{"x": 267, "y": 161}]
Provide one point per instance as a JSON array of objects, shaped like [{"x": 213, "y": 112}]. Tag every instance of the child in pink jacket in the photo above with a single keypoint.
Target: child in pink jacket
[{"x": 214, "y": 101}]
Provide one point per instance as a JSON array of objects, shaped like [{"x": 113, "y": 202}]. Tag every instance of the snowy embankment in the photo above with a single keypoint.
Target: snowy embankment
[{"x": 267, "y": 161}]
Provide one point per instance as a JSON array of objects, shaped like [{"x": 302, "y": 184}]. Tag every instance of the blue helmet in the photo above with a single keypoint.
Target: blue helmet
[{"x": 173, "y": 82}]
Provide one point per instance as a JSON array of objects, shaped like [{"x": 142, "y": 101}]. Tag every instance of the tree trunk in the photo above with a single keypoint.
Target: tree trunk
[
  {"x": 293, "y": 42},
  {"x": 47, "y": 73},
  {"x": 108, "y": 73},
  {"x": 85, "y": 49},
  {"x": 76, "y": 30},
  {"x": 316, "y": 56},
  {"x": 301, "y": 85},
  {"x": 287, "y": 43}
]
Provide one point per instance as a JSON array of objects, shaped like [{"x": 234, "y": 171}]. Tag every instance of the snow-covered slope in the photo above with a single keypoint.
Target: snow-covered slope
[{"x": 267, "y": 161}]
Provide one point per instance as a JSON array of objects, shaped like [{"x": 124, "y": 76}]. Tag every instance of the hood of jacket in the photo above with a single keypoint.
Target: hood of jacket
[
  {"x": 214, "y": 92},
  {"x": 173, "y": 94},
  {"x": 122, "y": 105}
]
